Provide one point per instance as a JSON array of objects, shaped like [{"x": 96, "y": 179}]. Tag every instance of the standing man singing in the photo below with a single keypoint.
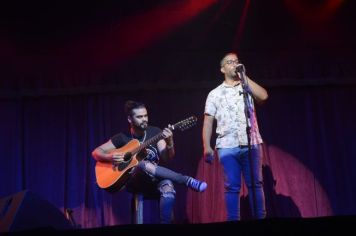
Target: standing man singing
[{"x": 226, "y": 104}]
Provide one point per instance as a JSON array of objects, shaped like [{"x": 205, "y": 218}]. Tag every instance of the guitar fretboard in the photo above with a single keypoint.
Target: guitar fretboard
[
  {"x": 148, "y": 142},
  {"x": 182, "y": 125}
]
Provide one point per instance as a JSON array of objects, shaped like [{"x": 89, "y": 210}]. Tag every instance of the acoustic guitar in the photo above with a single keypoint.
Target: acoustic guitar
[{"x": 112, "y": 177}]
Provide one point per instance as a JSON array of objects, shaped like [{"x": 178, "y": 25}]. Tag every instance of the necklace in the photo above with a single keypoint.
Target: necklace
[{"x": 143, "y": 139}]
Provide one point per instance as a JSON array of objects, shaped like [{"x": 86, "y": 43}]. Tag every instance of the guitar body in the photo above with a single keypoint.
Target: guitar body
[{"x": 112, "y": 177}]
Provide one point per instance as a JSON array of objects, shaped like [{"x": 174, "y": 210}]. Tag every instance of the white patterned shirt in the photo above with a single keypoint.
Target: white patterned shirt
[{"x": 226, "y": 104}]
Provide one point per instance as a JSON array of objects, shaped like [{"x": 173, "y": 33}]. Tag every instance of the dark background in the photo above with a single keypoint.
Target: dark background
[{"x": 67, "y": 68}]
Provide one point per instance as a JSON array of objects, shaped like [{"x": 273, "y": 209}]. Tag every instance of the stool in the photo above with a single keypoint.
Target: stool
[{"x": 137, "y": 208}]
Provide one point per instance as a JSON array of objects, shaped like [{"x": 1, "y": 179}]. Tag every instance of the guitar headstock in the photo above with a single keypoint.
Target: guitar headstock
[{"x": 186, "y": 124}]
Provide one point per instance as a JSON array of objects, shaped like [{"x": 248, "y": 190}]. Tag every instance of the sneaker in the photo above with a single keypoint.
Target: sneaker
[{"x": 196, "y": 185}]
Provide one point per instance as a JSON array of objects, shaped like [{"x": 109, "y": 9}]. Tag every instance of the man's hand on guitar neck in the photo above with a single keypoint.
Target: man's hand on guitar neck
[{"x": 168, "y": 135}]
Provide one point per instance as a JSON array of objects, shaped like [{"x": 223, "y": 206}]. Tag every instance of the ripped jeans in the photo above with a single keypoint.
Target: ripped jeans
[{"x": 154, "y": 181}]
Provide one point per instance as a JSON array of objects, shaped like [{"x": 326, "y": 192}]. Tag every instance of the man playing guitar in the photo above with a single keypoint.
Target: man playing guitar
[{"x": 132, "y": 159}]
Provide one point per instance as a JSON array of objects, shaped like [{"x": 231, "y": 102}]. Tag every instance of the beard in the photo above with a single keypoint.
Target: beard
[
  {"x": 235, "y": 75},
  {"x": 142, "y": 126}
]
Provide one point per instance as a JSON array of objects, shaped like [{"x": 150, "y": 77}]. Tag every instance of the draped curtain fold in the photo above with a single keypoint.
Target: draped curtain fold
[{"x": 309, "y": 151}]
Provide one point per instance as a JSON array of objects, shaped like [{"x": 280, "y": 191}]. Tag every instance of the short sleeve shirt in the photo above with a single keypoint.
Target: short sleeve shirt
[{"x": 226, "y": 104}]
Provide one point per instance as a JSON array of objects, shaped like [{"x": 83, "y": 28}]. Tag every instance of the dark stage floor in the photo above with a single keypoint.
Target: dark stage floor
[{"x": 277, "y": 226}]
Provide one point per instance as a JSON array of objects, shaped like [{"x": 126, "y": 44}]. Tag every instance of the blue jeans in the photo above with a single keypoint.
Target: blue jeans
[
  {"x": 159, "y": 186},
  {"x": 235, "y": 161}
]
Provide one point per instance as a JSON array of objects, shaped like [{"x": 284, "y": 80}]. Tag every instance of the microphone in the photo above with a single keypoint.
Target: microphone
[{"x": 240, "y": 68}]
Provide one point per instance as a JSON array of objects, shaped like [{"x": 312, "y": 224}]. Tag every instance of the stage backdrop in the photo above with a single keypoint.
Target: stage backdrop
[
  {"x": 46, "y": 144},
  {"x": 66, "y": 72}
]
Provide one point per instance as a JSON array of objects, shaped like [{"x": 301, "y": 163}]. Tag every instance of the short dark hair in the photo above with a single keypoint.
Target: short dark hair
[
  {"x": 222, "y": 61},
  {"x": 130, "y": 105}
]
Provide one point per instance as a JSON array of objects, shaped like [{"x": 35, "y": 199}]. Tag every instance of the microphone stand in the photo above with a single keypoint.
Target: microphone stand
[{"x": 246, "y": 91}]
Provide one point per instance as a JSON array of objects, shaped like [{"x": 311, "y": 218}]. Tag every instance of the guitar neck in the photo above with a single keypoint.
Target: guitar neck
[
  {"x": 152, "y": 140},
  {"x": 182, "y": 125}
]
